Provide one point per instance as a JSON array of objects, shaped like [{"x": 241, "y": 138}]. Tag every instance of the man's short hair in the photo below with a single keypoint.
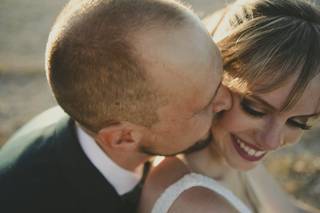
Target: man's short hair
[{"x": 93, "y": 68}]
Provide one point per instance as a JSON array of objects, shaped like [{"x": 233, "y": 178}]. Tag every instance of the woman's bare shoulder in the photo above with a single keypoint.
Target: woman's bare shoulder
[
  {"x": 195, "y": 199},
  {"x": 161, "y": 177},
  {"x": 200, "y": 199}
]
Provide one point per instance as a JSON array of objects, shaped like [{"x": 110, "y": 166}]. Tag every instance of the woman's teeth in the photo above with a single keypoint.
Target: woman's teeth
[{"x": 248, "y": 150}]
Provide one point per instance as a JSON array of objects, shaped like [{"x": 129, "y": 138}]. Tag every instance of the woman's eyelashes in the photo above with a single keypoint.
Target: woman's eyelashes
[
  {"x": 297, "y": 124},
  {"x": 250, "y": 110}
]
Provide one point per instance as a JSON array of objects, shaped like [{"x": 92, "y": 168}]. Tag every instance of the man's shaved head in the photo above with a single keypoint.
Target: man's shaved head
[
  {"x": 92, "y": 64},
  {"x": 150, "y": 63}
]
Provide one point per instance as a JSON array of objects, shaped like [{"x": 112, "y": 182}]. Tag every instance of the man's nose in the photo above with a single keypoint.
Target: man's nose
[
  {"x": 222, "y": 100},
  {"x": 271, "y": 137}
]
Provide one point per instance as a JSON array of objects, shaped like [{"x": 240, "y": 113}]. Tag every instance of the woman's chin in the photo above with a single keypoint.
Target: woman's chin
[
  {"x": 242, "y": 166},
  {"x": 237, "y": 162}
]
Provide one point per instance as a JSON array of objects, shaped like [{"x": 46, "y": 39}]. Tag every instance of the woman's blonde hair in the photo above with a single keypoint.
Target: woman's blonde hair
[{"x": 266, "y": 42}]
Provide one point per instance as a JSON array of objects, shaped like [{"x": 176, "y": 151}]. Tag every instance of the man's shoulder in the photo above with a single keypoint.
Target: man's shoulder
[
  {"x": 40, "y": 122},
  {"x": 33, "y": 140},
  {"x": 29, "y": 161}
]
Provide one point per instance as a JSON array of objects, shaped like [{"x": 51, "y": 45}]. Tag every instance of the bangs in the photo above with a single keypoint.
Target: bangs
[{"x": 264, "y": 53}]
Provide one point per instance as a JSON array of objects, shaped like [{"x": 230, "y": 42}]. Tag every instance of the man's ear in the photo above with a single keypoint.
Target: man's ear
[{"x": 119, "y": 136}]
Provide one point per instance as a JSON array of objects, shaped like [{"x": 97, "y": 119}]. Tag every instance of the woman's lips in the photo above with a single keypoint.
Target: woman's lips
[{"x": 247, "y": 151}]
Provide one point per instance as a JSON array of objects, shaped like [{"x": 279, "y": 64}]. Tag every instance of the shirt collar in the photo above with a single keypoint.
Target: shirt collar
[{"x": 122, "y": 180}]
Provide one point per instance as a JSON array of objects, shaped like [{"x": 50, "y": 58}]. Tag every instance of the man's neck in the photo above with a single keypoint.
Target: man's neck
[
  {"x": 129, "y": 161},
  {"x": 120, "y": 175}
]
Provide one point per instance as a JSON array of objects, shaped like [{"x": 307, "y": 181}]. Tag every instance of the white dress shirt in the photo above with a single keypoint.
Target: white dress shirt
[{"x": 121, "y": 179}]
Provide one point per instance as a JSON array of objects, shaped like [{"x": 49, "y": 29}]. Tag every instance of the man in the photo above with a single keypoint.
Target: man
[{"x": 136, "y": 78}]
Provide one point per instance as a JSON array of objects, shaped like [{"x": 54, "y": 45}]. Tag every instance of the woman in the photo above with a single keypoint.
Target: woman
[{"x": 271, "y": 52}]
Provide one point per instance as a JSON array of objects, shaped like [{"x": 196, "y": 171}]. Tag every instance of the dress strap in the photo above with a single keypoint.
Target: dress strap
[{"x": 190, "y": 180}]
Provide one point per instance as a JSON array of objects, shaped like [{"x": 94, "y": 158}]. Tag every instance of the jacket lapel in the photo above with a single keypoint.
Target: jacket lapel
[
  {"x": 132, "y": 198},
  {"x": 96, "y": 194}
]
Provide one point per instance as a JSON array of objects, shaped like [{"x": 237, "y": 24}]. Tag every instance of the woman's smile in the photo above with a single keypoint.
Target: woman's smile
[
  {"x": 246, "y": 150},
  {"x": 256, "y": 124}
]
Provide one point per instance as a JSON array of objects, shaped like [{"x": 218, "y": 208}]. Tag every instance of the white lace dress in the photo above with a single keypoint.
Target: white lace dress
[{"x": 190, "y": 180}]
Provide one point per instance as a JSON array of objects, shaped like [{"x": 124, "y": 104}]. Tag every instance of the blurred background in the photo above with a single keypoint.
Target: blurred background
[{"x": 24, "y": 28}]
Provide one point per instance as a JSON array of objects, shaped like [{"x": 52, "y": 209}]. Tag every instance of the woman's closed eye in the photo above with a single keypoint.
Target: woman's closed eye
[
  {"x": 298, "y": 124},
  {"x": 250, "y": 110}
]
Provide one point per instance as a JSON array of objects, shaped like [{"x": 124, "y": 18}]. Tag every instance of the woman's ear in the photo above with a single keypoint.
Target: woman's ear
[{"x": 119, "y": 136}]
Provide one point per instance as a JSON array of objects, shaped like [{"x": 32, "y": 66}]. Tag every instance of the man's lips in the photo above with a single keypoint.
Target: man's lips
[{"x": 247, "y": 151}]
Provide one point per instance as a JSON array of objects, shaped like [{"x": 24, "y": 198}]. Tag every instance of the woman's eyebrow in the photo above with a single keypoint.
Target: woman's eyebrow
[
  {"x": 263, "y": 102},
  {"x": 313, "y": 115},
  {"x": 271, "y": 107}
]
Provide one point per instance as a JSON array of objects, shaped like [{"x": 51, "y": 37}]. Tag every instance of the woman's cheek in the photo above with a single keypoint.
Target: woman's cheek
[
  {"x": 292, "y": 137},
  {"x": 234, "y": 120}
]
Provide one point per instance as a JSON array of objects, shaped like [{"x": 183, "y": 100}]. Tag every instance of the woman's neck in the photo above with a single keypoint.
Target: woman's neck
[{"x": 210, "y": 164}]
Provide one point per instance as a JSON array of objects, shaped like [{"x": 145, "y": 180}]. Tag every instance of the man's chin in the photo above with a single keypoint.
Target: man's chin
[
  {"x": 150, "y": 152},
  {"x": 199, "y": 145}
]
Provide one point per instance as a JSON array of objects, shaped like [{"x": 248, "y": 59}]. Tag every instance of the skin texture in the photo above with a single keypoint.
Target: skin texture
[
  {"x": 260, "y": 129},
  {"x": 222, "y": 162},
  {"x": 268, "y": 132},
  {"x": 188, "y": 72},
  {"x": 185, "y": 66},
  {"x": 195, "y": 199}
]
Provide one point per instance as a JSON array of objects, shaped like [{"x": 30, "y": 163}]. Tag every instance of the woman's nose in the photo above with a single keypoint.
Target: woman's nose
[{"x": 271, "y": 138}]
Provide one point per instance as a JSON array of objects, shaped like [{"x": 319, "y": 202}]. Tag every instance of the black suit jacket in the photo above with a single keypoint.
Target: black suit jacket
[{"x": 43, "y": 169}]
